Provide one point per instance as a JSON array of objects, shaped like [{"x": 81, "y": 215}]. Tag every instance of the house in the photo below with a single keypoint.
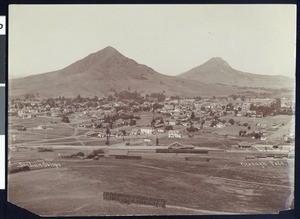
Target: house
[
  {"x": 12, "y": 112},
  {"x": 264, "y": 137},
  {"x": 239, "y": 114},
  {"x": 56, "y": 114},
  {"x": 86, "y": 125},
  {"x": 220, "y": 125},
  {"x": 40, "y": 127},
  {"x": 27, "y": 116},
  {"x": 147, "y": 141},
  {"x": 259, "y": 115},
  {"x": 274, "y": 126},
  {"x": 174, "y": 134},
  {"x": 172, "y": 122},
  {"x": 147, "y": 131},
  {"x": 160, "y": 130},
  {"x": 262, "y": 125},
  {"x": 21, "y": 128},
  {"x": 47, "y": 113},
  {"x": 263, "y": 131},
  {"x": 185, "y": 123},
  {"x": 244, "y": 144},
  {"x": 92, "y": 134},
  {"x": 101, "y": 135},
  {"x": 177, "y": 145},
  {"x": 134, "y": 132},
  {"x": 264, "y": 147},
  {"x": 120, "y": 133}
]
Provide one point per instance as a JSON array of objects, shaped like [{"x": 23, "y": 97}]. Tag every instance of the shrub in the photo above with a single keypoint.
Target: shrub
[
  {"x": 98, "y": 151},
  {"x": 90, "y": 156},
  {"x": 169, "y": 127},
  {"x": 65, "y": 119},
  {"x": 80, "y": 154},
  {"x": 192, "y": 129}
]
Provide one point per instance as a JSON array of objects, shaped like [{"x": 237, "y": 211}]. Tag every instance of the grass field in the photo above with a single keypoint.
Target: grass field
[{"x": 221, "y": 186}]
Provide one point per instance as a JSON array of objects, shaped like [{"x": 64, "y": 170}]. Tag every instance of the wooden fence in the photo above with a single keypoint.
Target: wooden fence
[
  {"x": 201, "y": 159},
  {"x": 128, "y": 157},
  {"x": 128, "y": 199}
]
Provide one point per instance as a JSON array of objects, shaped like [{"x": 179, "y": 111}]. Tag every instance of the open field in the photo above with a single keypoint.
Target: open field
[
  {"x": 227, "y": 184},
  {"x": 219, "y": 186},
  {"x": 268, "y": 121}
]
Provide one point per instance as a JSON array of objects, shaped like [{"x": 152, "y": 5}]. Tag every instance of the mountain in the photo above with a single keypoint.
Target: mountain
[
  {"x": 218, "y": 71},
  {"x": 107, "y": 70}
]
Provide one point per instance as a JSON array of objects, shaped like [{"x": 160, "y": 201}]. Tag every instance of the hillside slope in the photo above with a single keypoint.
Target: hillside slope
[
  {"x": 218, "y": 71},
  {"x": 108, "y": 70}
]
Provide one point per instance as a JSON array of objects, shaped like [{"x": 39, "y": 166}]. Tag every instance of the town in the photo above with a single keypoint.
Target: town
[
  {"x": 240, "y": 147},
  {"x": 157, "y": 119}
]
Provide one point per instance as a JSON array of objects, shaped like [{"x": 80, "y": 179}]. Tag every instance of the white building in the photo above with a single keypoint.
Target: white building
[
  {"x": 174, "y": 134},
  {"x": 220, "y": 125},
  {"x": 147, "y": 131}
]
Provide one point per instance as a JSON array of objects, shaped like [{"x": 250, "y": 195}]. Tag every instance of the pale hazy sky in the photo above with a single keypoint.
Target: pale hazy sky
[{"x": 169, "y": 38}]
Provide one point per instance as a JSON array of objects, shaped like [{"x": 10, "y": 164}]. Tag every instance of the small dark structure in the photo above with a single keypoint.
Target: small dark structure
[
  {"x": 244, "y": 144},
  {"x": 19, "y": 169},
  {"x": 45, "y": 149},
  {"x": 191, "y": 151},
  {"x": 128, "y": 157},
  {"x": 201, "y": 159}
]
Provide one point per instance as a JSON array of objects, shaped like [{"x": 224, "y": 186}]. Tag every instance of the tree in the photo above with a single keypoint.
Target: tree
[
  {"x": 257, "y": 135},
  {"x": 65, "y": 119},
  {"x": 157, "y": 106},
  {"x": 168, "y": 127},
  {"x": 192, "y": 116},
  {"x": 107, "y": 135},
  {"x": 161, "y": 121},
  {"x": 229, "y": 107},
  {"x": 95, "y": 99},
  {"x": 123, "y": 132},
  {"x": 110, "y": 98},
  {"x": 78, "y": 99},
  {"x": 29, "y": 96},
  {"x": 213, "y": 123},
  {"x": 242, "y": 133},
  {"x": 231, "y": 121},
  {"x": 192, "y": 129},
  {"x": 132, "y": 122},
  {"x": 202, "y": 123},
  {"x": 80, "y": 154},
  {"x": 153, "y": 122}
]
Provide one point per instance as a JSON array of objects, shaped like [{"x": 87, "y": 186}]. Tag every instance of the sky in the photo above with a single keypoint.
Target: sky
[{"x": 171, "y": 39}]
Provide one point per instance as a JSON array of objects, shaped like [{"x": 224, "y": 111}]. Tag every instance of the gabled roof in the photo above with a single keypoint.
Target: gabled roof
[
  {"x": 177, "y": 144},
  {"x": 245, "y": 144}
]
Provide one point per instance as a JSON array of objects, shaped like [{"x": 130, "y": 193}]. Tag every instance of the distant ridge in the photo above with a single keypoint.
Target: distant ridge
[
  {"x": 218, "y": 71},
  {"x": 107, "y": 70}
]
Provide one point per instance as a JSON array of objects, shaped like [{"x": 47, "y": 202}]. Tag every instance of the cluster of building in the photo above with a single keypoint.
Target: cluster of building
[{"x": 173, "y": 116}]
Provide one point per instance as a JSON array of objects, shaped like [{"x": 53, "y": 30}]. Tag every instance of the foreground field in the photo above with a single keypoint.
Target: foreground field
[{"x": 216, "y": 187}]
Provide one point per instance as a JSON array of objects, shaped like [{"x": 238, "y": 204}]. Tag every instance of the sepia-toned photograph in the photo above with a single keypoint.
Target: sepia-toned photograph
[{"x": 151, "y": 109}]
